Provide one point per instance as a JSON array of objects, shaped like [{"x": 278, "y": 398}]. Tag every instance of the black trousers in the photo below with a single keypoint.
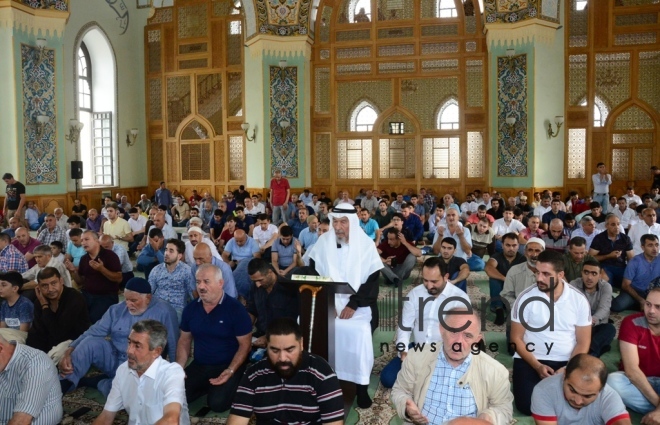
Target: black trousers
[
  {"x": 525, "y": 379},
  {"x": 219, "y": 397}
]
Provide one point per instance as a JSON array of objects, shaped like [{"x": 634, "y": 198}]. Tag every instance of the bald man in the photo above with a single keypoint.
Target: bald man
[
  {"x": 579, "y": 395},
  {"x": 240, "y": 248},
  {"x": 203, "y": 254}
]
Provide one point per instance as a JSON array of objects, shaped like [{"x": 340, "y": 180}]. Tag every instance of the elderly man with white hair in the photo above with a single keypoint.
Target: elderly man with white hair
[
  {"x": 196, "y": 236},
  {"x": 347, "y": 254}
]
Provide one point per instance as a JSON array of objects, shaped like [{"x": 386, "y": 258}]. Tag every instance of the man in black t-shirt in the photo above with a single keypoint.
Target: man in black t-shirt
[
  {"x": 15, "y": 198},
  {"x": 457, "y": 267},
  {"x": 497, "y": 267}
]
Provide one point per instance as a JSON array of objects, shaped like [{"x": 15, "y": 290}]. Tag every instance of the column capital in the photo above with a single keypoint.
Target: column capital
[
  {"x": 528, "y": 31},
  {"x": 21, "y": 17},
  {"x": 280, "y": 46}
]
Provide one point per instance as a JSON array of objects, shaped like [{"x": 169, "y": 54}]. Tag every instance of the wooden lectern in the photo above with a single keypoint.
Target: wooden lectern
[{"x": 323, "y": 335}]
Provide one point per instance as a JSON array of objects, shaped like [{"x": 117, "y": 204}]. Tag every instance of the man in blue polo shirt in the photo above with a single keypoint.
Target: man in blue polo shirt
[
  {"x": 554, "y": 212},
  {"x": 369, "y": 225},
  {"x": 283, "y": 252},
  {"x": 297, "y": 224},
  {"x": 222, "y": 331},
  {"x": 639, "y": 276}
]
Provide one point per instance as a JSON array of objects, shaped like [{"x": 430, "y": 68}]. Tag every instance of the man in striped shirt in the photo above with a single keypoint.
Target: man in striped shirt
[{"x": 308, "y": 389}]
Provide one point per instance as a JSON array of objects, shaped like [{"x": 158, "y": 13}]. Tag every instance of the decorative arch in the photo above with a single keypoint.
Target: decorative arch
[
  {"x": 601, "y": 110},
  {"x": 446, "y": 9},
  {"x": 448, "y": 114},
  {"x": 362, "y": 111},
  {"x": 398, "y": 114}
]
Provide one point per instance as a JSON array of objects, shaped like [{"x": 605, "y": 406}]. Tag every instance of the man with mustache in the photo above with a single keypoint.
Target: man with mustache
[
  {"x": 149, "y": 387},
  {"x": 93, "y": 348},
  {"x": 542, "y": 350},
  {"x": 290, "y": 385}
]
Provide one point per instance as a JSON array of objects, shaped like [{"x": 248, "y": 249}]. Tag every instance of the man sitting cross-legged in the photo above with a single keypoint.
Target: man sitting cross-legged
[{"x": 289, "y": 385}]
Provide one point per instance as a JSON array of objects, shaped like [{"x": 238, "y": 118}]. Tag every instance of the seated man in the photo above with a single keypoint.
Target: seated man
[
  {"x": 60, "y": 315},
  {"x": 153, "y": 252},
  {"x": 309, "y": 235},
  {"x": 241, "y": 247},
  {"x": 497, "y": 268},
  {"x": 104, "y": 344},
  {"x": 575, "y": 257},
  {"x": 457, "y": 267},
  {"x": 454, "y": 371},
  {"x": 202, "y": 255},
  {"x": 44, "y": 258},
  {"x": 369, "y": 225},
  {"x": 638, "y": 278},
  {"x": 272, "y": 298},
  {"x": 412, "y": 222},
  {"x": 599, "y": 295},
  {"x": 30, "y": 391},
  {"x": 150, "y": 388},
  {"x": 265, "y": 234},
  {"x": 399, "y": 257},
  {"x": 423, "y": 325},
  {"x": 290, "y": 385},
  {"x": 220, "y": 351},
  {"x": 75, "y": 250},
  {"x": 126, "y": 265},
  {"x": 552, "y": 349},
  {"x": 580, "y": 395},
  {"x": 613, "y": 249},
  {"x": 638, "y": 383},
  {"x": 197, "y": 236},
  {"x": 172, "y": 281},
  {"x": 26, "y": 245},
  {"x": 587, "y": 231},
  {"x": 454, "y": 229},
  {"x": 284, "y": 252}
]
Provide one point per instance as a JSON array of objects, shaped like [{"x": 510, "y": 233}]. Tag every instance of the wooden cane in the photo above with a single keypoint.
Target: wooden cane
[{"x": 314, "y": 290}]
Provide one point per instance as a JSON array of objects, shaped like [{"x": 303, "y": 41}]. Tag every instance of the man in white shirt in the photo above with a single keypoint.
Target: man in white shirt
[
  {"x": 265, "y": 234},
  {"x": 647, "y": 226},
  {"x": 624, "y": 213},
  {"x": 454, "y": 229},
  {"x": 587, "y": 230},
  {"x": 435, "y": 290},
  {"x": 250, "y": 209},
  {"x": 544, "y": 207},
  {"x": 151, "y": 389},
  {"x": 138, "y": 224},
  {"x": 306, "y": 197},
  {"x": 504, "y": 225},
  {"x": 630, "y": 197},
  {"x": 554, "y": 325}
]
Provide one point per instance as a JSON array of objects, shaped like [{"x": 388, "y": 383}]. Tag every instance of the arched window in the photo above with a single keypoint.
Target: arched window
[
  {"x": 363, "y": 117},
  {"x": 601, "y": 111},
  {"x": 580, "y": 4},
  {"x": 448, "y": 115},
  {"x": 446, "y": 9},
  {"x": 359, "y": 11},
  {"x": 96, "y": 95}
]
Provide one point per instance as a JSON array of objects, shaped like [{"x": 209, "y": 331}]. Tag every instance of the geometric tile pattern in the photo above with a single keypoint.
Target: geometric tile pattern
[
  {"x": 354, "y": 159},
  {"x": 397, "y": 116},
  {"x": 397, "y": 158},
  {"x": 635, "y": 38},
  {"x": 441, "y": 158},
  {"x": 350, "y": 93},
  {"x": 577, "y": 26},
  {"x": 577, "y": 79},
  {"x": 430, "y": 94},
  {"x": 45, "y": 4},
  {"x": 648, "y": 83},
  {"x": 192, "y": 21},
  {"x": 577, "y": 153},
  {"x": 236, "y": 149},
  {"x": 283, "y": 18},
  {"x": 512, "y": 101},
  {"x": 613, "y": 78},
  {"x": 475, "y": 155},
  {"x": 633, "y": 118},
  {"x": 322, "y": 155},
  {"x": 475, "y": 83},
  {"x": 38, "y": 82},
  {"x": 284, "y": 107}
]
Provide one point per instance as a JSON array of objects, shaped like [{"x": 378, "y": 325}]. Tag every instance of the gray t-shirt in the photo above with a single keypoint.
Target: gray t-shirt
[{"x": 548, "y": 403}]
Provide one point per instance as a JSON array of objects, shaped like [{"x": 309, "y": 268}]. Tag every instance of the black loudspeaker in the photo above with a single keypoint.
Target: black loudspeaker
[{"x": 76, "y": 170}]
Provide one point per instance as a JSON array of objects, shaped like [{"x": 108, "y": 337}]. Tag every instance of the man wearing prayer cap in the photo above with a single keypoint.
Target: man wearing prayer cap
[
  {"x": 346, "y": 254},
  {"x": 196, "y": 236},
  {"x": 104, "y": 344}
]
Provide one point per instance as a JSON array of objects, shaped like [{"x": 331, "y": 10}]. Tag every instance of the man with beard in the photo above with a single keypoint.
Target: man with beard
[
  {"x": 150, "y": 388},
  {"x": 290, "y": 385},
  {"x": 435, "y": 289},
  {"x": 579, "y": 396},
  {"x": 542, "y": 350},
  {"x": 60, "y": 314},
  {"x": 172, "y": 281},
  {"x": 104, "y": 344},
  {"x": 196, "y": 236},
  {"x": 497, "y": 268},
  {"x": 521, "y": 276}
]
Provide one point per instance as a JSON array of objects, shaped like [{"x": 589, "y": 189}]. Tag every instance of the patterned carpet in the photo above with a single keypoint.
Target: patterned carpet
[{"x": 381, "y": 411}]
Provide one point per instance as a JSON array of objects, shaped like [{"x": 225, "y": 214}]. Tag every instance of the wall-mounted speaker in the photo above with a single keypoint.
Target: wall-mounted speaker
[{"x": 76, "y": 170}]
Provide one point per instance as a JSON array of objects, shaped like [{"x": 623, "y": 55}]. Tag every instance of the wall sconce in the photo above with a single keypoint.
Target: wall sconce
[
  {"x": 510, "y": 53},
  {"x": 283, "y": 63},
  {"x": 40, "y": 123},
  {"x": 74, "y": 130},
  {"x": 511, "y": 122},
  {"x": 246, "y": 126},
  {"x": 284, "y": 124},
  {"x": 559, "y": 120},
  {"x": 131, "y": 137},
  {"x": 41, "y": 46}
]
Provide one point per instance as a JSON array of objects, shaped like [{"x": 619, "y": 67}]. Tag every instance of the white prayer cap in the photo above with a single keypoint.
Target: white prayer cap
[{"x": 196, "y": 229}]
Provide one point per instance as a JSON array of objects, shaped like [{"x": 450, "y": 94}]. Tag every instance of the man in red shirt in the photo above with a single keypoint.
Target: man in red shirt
[
  {"x": 638, "y": 383},
  {"x": 399, "y": 257},
  {"x": 26, "y": 245},
  {"x": 280, "y": 192}
]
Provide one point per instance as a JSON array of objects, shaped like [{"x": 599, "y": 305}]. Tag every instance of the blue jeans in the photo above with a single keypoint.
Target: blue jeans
[
  {"x": 631, "y": 396},
  {"x": 603, "y": 199},
  {"x": 498, "y": 245},
  {"x": 279, "y": 215},
  {"x": 242, "y": 279},
  {"x": 460, "y": 285},
  {"x": 625, "y": 301},
  {"x": 496, "y": 287},
  {"x": 615, "y": 273},
  {"x": 391, "y": 370},
  {"x": 476, "y": 263}
]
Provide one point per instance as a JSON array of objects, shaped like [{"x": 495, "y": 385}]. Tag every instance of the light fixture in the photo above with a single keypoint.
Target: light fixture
[
  {"x": 559, "y": 120},
  {"x": 41, "y": 122},
  {"x": 511, "y": 122},
  {"x": 283, "y": 63},
  {"x": 246, "y": 126},
  {"x": 74, "y": 130},
  {"x": 284, "y": 124},
  {"x": 41, "y": 47},
  {"x": 131, "y": 136}
]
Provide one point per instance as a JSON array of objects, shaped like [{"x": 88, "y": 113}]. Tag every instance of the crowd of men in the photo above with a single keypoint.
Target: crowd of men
[{"x": 225, "y": 288}]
